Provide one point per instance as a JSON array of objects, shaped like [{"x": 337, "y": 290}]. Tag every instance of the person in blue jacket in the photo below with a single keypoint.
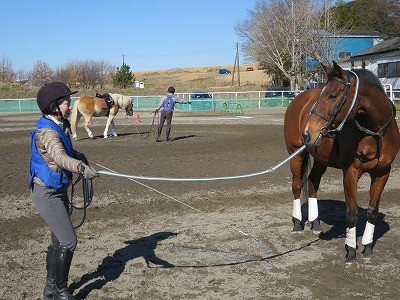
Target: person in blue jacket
[
  {"x": 167, "y": 106},
  {"x": 53, "y": 160}
]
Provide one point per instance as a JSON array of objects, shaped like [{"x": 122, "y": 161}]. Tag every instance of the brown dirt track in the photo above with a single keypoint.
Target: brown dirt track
[{"x": 141, "y": 243}]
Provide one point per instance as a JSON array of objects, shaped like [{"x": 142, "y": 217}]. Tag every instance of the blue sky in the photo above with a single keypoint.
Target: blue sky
[{"x": 151, "y": 34}]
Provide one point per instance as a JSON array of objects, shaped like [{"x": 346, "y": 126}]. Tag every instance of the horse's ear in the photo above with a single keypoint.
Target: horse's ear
[
  {"x": 338, "y": 70},
  {"x": 327, "y": 69}
]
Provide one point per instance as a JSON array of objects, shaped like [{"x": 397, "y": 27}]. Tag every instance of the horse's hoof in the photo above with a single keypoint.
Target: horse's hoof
[
  {"x": 367, "y": 252},
  {"x": 296, "y": 226},
  {"x": 316, "y": 226},
  {"x": 351, "y": 255}
]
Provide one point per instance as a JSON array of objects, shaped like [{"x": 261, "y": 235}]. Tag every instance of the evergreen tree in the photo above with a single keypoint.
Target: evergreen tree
[
  {"x": 378, "y": 15},
  {"x": 123, "y": 77}
]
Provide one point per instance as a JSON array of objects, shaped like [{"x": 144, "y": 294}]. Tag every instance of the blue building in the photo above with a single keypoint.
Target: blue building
[
  {"x": 346, "y": 43},
  {"x": 383, "y": 60}
]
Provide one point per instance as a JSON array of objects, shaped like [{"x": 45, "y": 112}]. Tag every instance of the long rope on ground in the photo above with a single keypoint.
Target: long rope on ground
[
  {"x": 270, "y": 170},
  {"x": 239, "y": 260}
]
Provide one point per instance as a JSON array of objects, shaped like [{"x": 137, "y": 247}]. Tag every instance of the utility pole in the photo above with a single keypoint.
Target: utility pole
[
  {"x": 123, "y": 59},
  {"x": 236, "y": 65}
]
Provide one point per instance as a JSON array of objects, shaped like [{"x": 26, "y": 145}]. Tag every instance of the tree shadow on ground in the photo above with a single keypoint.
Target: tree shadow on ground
[{"x": 113, "y": 266}]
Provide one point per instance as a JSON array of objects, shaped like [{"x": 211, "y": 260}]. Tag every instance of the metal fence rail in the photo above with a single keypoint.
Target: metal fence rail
[
  {"x": 222, "y": 101},
  {"x": 142, "y": 102}
]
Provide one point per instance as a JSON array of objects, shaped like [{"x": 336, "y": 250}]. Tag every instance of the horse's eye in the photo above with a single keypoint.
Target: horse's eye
[{"x": 333, "y": 95}]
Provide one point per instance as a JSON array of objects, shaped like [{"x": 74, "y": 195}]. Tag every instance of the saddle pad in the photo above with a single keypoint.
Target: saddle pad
[{"x": 103, "y": 103}]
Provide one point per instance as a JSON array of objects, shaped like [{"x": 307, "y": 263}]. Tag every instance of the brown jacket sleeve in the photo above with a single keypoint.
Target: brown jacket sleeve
[{"x": 50, "y": 147}]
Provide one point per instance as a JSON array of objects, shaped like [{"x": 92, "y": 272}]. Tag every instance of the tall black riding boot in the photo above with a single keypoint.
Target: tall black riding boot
[
  {"x": 167, "y": 134},
  {"x": 63, "y": 263},
  {"x": 50, "y": 284},
  {"x": 158, "y": 134}
]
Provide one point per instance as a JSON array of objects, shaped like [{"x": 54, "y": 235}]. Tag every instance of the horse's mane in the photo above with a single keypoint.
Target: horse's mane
[
  {"x": 366, "y": 77},
  {"x": 122, "y": 100}
]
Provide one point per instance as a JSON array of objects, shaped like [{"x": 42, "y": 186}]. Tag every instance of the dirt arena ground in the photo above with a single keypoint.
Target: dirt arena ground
[{"x": 194, "y": 240}]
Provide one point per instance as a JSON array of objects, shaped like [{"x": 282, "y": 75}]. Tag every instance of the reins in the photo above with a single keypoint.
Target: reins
[{"x": 381, "y": 131}]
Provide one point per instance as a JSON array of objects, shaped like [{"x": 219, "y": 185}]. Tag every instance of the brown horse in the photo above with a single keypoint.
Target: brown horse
[
  {"x": 95, "y": 107},
  {"x": 350, "y": 125}
]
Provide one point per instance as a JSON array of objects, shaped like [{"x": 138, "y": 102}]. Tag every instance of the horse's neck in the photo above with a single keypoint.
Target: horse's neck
[
  {"x": 120, "y": 100},
  {"x": 377, "y": 109}
]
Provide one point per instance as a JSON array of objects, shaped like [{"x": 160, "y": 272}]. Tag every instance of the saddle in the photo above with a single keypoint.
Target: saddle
[{"x": 107, "y": 99}]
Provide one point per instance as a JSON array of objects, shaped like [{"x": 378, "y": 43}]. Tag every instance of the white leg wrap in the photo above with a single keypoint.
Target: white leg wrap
[
  {"x": 351, "y": 237},
  {"x": 297, "y": 209},
  {"x": 312, "y": 209},
  {"x": 89, "y": 132},
  {"x": 368, "y": 235}
]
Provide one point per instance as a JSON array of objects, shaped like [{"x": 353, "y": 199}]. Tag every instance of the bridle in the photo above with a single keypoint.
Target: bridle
[
  {"x": 330, "y": 130},
  {"x": 129, "y": 110}
]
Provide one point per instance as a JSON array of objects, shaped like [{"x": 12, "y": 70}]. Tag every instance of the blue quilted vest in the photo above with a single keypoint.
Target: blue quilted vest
[
  {"x": 38, "y": 167},
  {"x": 169, "y": 103}
]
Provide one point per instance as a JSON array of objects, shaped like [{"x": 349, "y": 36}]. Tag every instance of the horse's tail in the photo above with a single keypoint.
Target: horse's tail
[
  {"x": 74, "y": 116},
  {"x": 306, "y": 166}
]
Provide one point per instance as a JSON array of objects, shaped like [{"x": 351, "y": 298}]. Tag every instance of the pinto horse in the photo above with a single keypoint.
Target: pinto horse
[
  {"x": 350, "y": 125},
  {"x": 96, "y": 107}
]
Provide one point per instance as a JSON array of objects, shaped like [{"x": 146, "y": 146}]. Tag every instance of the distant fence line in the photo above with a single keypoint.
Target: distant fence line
[{"x": 218, "y": 101}]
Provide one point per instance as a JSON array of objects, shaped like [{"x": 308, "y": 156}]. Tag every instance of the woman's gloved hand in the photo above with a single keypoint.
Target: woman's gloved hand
[{"x": 87, "y": 171}]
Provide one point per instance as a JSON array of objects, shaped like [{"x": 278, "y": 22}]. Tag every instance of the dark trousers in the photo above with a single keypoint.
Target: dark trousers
[{"x": 165, "y": 116}]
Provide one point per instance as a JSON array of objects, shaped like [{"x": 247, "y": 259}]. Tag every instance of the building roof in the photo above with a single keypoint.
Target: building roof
[
  {"x": 350, "y": 34},
  {"x": 359, "y": 33}
]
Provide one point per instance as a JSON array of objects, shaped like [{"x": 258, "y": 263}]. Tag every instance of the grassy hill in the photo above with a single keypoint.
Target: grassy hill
[
  {"x": 200, "y": 78},
  {"x": 156, "y": 82}
]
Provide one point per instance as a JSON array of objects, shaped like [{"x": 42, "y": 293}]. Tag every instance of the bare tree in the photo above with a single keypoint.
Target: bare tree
[
  {"x": 40, "y": 74},
  {"x": 7, "y": 74},
  {"x": 84, "y": 74},
  {"x": 22, "y": 76},
  {"x": 280, "y": 34}
]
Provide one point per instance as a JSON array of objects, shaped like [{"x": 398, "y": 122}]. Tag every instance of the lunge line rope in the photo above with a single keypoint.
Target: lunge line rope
[
  {"x": 234, "y": 257},
  {"x": 270, "y": 170}
]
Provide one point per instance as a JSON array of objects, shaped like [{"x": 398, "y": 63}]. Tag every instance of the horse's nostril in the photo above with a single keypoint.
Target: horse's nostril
[{"x": 305, "y": 136}]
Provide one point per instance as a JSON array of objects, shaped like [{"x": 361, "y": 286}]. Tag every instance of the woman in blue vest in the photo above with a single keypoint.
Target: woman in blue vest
[
  {"x": 167, "y": 106},
  {"x": 53, "y": 160}
]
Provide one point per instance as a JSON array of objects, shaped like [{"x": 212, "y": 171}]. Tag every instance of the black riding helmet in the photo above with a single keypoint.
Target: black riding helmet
[{"x": 51, "y": 92}]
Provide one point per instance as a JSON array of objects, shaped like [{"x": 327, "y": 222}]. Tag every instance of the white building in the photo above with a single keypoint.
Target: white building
[{"x": 383, "y": 60}]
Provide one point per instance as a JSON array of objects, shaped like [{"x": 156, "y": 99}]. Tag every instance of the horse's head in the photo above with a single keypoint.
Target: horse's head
[
  {"x": 129, "y": 109},
  {"x": 328, "y": 114}
]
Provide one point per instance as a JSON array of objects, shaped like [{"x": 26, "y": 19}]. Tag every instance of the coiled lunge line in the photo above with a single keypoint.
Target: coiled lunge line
[{"x": 270, "y": 170}]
